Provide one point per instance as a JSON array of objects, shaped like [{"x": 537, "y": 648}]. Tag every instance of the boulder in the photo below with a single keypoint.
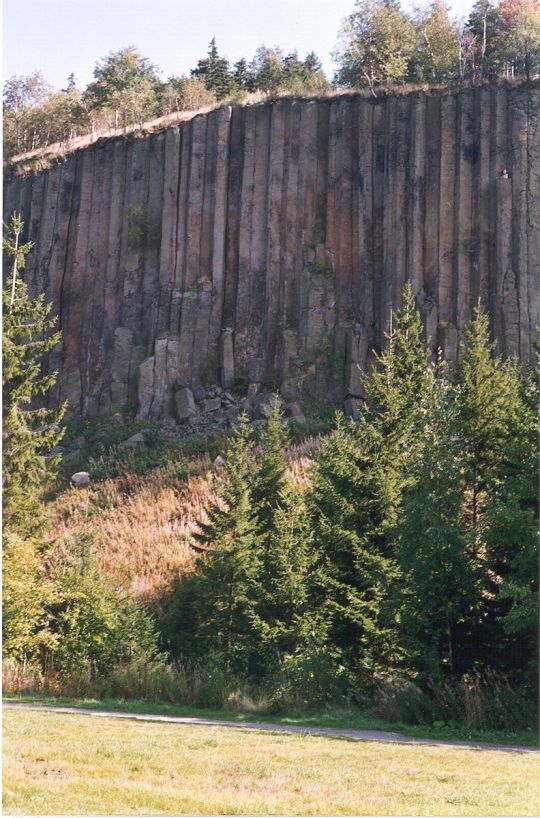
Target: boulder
[
  {"x": 133, "y": 441},
  {"x": 265, "y": 406},
  {"x": 184, "y": 405},
  {"x": 252, "y": 393},
  {"x": 81, "y": 478},
  {"x": 293, "y": 410},
  {"x": 199, "y": 393},
  {"x": 219, "y": 462},
  {"x": 211, "y": 405}
]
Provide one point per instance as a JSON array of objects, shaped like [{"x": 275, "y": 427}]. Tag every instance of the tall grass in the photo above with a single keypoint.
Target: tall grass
[
  {"x": 202, "y": 685},
  {"x": 479, "y": 701}
]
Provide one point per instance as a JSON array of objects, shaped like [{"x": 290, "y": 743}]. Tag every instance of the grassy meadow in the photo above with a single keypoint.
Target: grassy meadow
[{"x": 66, "y": 764}]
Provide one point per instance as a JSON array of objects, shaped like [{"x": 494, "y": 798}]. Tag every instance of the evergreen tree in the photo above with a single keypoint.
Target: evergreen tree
[
  {"x": 29, "y": 433},
  {"x": 241, "y": 75},
  {"x": 229, "y": 563},
  {"x": 353, "y": 570},
  {"x": 269, "y": 470},
  {"x": 214, "y": 71},
  {"x": 394, "y": 389},
  {"x": 266, "y": 69},
  {"x": 496, "y": 432},
  {"x": 282, "y": 581},
  {"x": 438, "y": 585}
]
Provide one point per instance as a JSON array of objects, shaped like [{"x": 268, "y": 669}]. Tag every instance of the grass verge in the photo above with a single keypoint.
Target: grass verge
[
  {"x": 67, "y": 764},
  {"x": 350, "y": 718}
]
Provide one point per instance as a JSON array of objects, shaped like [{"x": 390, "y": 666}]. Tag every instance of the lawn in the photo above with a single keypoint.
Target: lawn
[{"x": 67, "y": 764}]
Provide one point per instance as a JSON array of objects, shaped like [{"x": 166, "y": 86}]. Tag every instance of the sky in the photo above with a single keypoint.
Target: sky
[{"x": 58, "y": 37}]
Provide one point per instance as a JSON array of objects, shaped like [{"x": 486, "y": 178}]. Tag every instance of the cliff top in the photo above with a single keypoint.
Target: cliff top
[{"x": 42, "y": 158}]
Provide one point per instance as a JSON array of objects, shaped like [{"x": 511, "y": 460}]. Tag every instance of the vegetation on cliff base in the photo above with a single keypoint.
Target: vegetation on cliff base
[
  {"x": 398, "y": 571},
  {"x": 58, "y": 610}
]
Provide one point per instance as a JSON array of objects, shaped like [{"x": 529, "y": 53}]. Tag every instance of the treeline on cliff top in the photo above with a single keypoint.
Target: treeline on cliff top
[
  {"x": 379, "y": 45},
  {"x": 402, "y": 572}
]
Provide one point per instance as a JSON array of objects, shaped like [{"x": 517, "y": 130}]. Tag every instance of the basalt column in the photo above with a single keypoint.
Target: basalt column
[{"x": 269, "y": 243}]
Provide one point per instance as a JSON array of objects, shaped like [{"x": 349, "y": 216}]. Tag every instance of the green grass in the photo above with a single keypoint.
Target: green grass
[
  {"x": 66, "y": 764},
  {"x": 351, "y": 718}
]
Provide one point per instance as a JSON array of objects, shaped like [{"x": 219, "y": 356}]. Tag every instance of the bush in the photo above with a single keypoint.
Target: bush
[
  {"x": 313, "y": 675},
  {"x": 91, "y": 624}
]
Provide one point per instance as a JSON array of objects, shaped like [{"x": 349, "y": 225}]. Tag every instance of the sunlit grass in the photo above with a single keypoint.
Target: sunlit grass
[{"x": 68, "y": 764}]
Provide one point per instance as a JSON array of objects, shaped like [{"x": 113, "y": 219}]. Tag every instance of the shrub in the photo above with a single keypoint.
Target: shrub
[{"x": 90, "y": 623}]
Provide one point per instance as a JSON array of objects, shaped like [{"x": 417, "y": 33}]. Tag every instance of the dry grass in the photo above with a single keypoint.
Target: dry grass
[
  {"x": 141, "y": 526},
  {"x": 62, "y": 764},
  {"x": 40, "y": 158}
]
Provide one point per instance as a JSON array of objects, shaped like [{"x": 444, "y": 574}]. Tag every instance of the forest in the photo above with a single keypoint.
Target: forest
[
  {"x": 380, "y": 46},
  {"x": 397, "y": 570}
]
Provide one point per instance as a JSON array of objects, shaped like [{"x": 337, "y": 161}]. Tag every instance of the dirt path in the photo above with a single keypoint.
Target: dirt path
[{"x": 332, "y": 732}]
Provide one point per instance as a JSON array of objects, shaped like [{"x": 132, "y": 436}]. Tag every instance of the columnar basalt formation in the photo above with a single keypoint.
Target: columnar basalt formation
[{"x": 269, "y": 243}]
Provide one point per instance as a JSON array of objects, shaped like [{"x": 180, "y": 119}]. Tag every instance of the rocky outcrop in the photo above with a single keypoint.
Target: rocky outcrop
[{"x": 266, "y": 245}]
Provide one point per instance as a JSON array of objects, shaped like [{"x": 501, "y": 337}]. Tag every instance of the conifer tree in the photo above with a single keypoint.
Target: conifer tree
[
  {"x": 229, "y": 563},
  {"x": 269, "y": 468},
  {"x": 357, "y": 493},
  {"x": 353, "y": 570},
  {"x": 29, "y": 433},
  {"x": 496, "y": 431},
  {"x": 283, "y": 571},
  {"x": 438, "y": 579},
  {"x": 214, "y": 71},
  {"x": 394, "y": 389}
]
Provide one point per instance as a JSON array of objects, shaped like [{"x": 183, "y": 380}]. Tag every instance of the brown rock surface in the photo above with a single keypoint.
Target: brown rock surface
[{"x": 269, "y": 243}]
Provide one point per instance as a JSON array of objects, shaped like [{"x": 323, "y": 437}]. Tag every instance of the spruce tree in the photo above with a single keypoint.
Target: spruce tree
[
  {"x": 283, "y": 580},
  {"x": 496, "y": 430},
  {"x": 394, "y": 389},
  {"x": 353, "y": 570},
  {"x": 229, "y": 563},
  {"x": 357, "y": 494},
  {"x": 438, "y": 587},
  {"x": 29, "y": 432},
  {"x": 214, "y": 71},
  {"x": 269, "y": 469}
]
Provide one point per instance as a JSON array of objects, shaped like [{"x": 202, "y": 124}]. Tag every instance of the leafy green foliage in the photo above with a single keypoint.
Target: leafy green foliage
[
  {"x": 90, "y": 624},
  {"x": 125, "y": 83}
]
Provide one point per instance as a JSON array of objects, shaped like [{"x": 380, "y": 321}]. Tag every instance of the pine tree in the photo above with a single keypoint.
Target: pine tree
[
  {"x": 29, "y": 433},
  {"x": 229, "y": 563}
]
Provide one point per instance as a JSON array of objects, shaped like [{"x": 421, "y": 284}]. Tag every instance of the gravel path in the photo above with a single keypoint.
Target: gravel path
[{"x": 332, "y": 732}]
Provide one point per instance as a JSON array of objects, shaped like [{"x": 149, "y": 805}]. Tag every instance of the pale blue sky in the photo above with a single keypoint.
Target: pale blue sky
[{"x": 57, "y": 37}]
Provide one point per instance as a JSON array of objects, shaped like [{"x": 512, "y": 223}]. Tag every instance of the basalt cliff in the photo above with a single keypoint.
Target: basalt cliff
[{"x": 267, "y": 244}]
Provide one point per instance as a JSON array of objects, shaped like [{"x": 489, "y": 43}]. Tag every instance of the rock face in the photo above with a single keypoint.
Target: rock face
[{"x": 266, "y": 245}]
